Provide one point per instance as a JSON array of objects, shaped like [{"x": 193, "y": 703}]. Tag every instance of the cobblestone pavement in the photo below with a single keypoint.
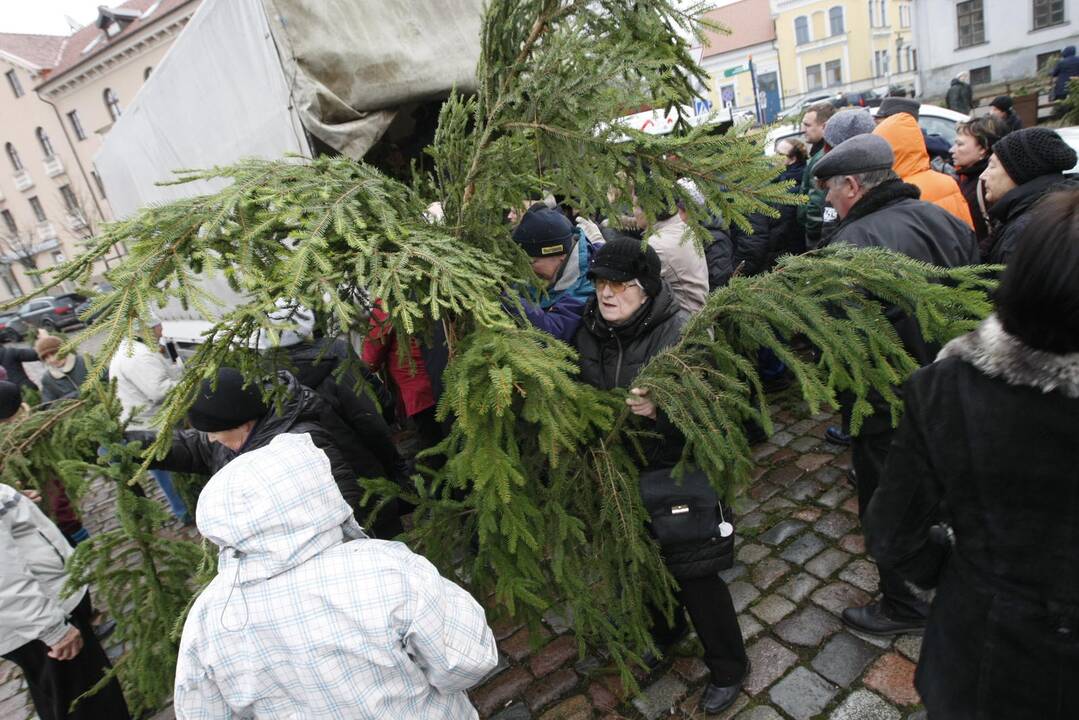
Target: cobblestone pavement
[{"x": 800, "y": 561}]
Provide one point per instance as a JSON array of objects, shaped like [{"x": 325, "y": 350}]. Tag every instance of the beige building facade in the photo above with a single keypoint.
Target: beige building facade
[{"x": 59, "y": 98}]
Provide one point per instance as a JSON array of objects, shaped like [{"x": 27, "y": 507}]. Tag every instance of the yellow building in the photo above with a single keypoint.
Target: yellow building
[
  {"x": 726, "y": 57},
  {"x": 830, "y": 46}
]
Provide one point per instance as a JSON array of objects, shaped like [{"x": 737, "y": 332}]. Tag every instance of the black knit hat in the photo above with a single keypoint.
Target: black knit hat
[
  {"x": 228, "y": 406},
  {"x": 544, "y": 232},
  {"x": 624, "y": 259},
  {"x": 1002, "y": 103},
  {"x": 895, "y": 105},
  {"x": 10, "y": 399},
  {"x": 1033, "y": 152}
]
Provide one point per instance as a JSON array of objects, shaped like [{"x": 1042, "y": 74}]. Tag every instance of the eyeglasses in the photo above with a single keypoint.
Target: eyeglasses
[{"x": 616, "y": 286}]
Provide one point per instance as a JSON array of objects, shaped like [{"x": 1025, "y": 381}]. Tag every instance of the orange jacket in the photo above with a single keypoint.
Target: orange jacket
[{"x": 912, "y": 165}]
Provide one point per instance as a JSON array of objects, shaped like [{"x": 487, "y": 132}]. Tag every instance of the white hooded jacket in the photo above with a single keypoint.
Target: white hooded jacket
[
  {"x": 307, "y": 618},
  {"x": 31, "y": 575}
]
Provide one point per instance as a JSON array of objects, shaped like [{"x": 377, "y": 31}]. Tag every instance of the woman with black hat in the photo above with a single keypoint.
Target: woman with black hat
[
  {"x": 1026, "y": 166},
  {"x": 632, "y": 317}
]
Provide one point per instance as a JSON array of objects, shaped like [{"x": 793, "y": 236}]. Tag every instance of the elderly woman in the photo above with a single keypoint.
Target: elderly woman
[
  {"x": 633, "y": 316},
  {"x": 990, "y": 516},
  {"x": 973, "y": 145}
]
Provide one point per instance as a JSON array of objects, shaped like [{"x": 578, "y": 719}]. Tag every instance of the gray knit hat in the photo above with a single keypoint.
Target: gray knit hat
[
  {"x": 862, "y": 153},
  {"x": 896, "y": 105},
  {"x": 845, "y": 124}
]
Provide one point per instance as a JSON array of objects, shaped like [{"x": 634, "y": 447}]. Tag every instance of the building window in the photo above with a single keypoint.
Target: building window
[
  {"x": 13, "y": 81},
  {"x": 76, "y": 124},
  {"x": 914, "y": 59},
  {"x": 904, "y": 16},
  {"x": 43, "y": 141},
  {"x": 801, "y": 29},
  {"x": 70, "y": 201},
  {"x": 39, "y": 212},
  {"x": 100, "y": 185},
  {"x": 9, "y": 222},
  {"x": 112, "y": 103},
  {"x": 970, "y": 21},
  {"x": 833, "y": 72},
  {"x": 813, "y": 78},
  {"x": 13, "y": 156},
  {"x": 878, "y": 13},
  {"x": 1048, "y": 13},
  {"x": 146, "y": 73},
  {"x": 899, "y": 56},
  {"x": 835, "y": 20},
  {"x": 1044, "y": 60},
  {"x": 880, "y": 63},
  {"x": 981, "y": 75}
]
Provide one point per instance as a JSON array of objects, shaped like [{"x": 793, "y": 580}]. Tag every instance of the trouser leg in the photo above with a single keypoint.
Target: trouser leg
[
  {"x": 176, "y": 503},
  {"x": 711, "y": 610},
  {"x": 55, "y": 684},
  {"x": 869, "y": 454}
]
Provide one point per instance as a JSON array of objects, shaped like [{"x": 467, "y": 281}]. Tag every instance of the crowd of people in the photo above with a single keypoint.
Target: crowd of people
[{"x": 309, "y": 613}]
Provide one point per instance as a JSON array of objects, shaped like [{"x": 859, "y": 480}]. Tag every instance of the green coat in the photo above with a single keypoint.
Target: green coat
[{"x": 810, "y": 215}]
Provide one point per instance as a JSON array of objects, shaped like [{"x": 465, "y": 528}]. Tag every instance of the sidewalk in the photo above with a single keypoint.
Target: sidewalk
[{"x": 800, "y": 561}]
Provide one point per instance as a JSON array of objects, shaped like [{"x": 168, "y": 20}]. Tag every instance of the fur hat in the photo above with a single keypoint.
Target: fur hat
[
  {"x": 624, "y": 259},
  {"x": 228, "y": 406},
  {"x": 1032, "y": 152},
  {"x": 47, "y": 345}
]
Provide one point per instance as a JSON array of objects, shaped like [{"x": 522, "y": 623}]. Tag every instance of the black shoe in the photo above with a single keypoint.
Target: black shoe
[
  {"x": 835, "y": 434},
  {"x": 872, "y": 620},
  {"x": 716, "y": 699},
  {"x": 652, "y": 661}
]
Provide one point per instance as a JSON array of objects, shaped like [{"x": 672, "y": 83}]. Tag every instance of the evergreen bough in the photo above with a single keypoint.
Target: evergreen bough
[{"x": 539, "y": 468}]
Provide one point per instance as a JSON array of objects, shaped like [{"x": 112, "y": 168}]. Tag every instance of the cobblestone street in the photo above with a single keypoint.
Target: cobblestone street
[{"x": 800, "y": 561}]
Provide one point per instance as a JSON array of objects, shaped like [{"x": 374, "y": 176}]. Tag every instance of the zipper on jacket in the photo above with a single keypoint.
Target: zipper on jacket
[{"x": 618, "y": 362}]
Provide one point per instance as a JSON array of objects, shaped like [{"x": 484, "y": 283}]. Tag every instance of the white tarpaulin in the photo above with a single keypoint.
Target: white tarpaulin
[
  {"x": 353, "y": 62},
  {"x": 219, "y": 95}
]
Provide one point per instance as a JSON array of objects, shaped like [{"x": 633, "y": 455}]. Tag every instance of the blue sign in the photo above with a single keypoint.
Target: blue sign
[{"x": 702, "y": 106}]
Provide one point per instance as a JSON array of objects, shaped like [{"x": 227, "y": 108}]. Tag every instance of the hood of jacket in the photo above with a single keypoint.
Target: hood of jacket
[
  {"x": 905, "y": 136},
  {"x": 1068, "y": 51},
  {"x": 271, "y": 509},
  {"x": 312, "y": 362},
  {"x": 997, "y": 353}
]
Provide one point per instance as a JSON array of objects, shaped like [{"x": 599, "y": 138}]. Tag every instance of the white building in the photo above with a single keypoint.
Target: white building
[{"x": 994, "y": 40}]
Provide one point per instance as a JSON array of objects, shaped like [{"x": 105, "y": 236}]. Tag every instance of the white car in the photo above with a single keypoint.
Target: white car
[
  {"x": 1070, "y": 135},
  {"x": 934, "y": 120}
]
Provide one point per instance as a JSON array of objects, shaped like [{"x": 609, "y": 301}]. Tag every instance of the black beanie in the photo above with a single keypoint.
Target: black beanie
[
  {"x": 544, "y": 232},
  {"x": 10, "y": 399},
  {"x": 227, "y": 407},
  {"x": 623, "y": 259},
  {"x": 1002, "y": 103},
  {"x": 1033, "y": 152}
]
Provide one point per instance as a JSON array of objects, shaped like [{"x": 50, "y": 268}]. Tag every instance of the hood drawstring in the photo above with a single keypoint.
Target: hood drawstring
[{"x": 237, "y": 555}]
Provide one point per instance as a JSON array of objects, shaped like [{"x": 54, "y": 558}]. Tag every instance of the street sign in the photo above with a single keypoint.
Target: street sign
[
  {"x": 702, "y": 106},
  {"x": 728, "y": 95},
  {"x": 731, "y": 72}
]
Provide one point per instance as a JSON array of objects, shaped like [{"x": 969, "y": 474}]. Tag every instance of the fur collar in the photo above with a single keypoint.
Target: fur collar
[{"x": 996, "y": 353}]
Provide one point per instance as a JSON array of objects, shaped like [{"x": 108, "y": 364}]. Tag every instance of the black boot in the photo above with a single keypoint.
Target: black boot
[
  {"x": 717, "y": 698},
  {"x": 873, "y": 620}
]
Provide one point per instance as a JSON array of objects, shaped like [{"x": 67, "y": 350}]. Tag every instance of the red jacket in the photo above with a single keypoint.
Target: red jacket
[{"x": 410, "y": 378}]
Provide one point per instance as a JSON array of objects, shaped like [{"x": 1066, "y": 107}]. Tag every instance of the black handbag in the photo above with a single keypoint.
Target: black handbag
[{"x": 686, "y": 510}]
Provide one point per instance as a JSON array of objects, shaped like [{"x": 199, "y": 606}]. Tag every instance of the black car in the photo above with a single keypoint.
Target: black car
[
  {"x": 12, "y": 328},
  {"x": 52, "y": 312}
]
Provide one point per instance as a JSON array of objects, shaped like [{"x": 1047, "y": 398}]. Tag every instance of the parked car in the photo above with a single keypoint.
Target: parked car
[
  {"x": 12, "y": 328},
  {"x": 933, "y": 119},
  {"x": 52, "y": 312},
  {"x": 1070, "y": 135},
  {"x": 84, "y": 306}
]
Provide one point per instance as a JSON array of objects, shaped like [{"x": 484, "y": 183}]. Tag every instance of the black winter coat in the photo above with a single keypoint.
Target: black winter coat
[
  {"x": 12, "y": 358},
  {"x": 891, "y": 216},
  {"x": 1003, "y": 636},
  {"x": 365, "y": 436},
  {"x": 611, "y": 357},
  {"x": 193, "y": 452},
  {"x": 968, "y": 184},
  {"x": 1009, "y": 216},
  {"x": 1066, "y": 68},
  {"x": 960, "y": 97},
  {"x": 719, "y": 256}
]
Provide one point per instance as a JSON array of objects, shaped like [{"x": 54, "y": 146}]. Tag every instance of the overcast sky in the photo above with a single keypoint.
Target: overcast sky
[{"x": 47, "y": 16}]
